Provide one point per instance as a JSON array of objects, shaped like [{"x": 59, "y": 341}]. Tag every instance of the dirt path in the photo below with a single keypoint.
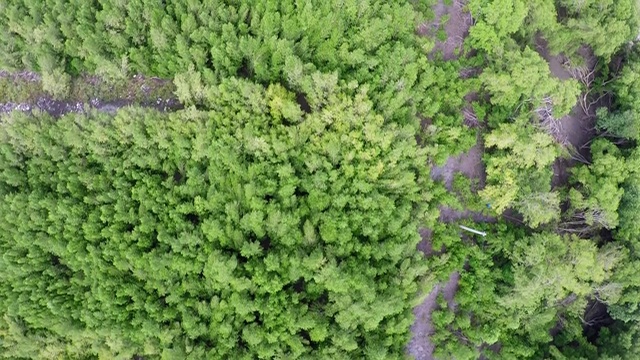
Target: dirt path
[
  {"x": 420, "y": 347},
  {"x": 23, "y": 91},
  {"x": 58, "y": 108}
]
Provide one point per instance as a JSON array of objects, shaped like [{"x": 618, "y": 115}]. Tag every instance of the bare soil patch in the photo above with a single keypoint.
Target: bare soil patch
[
  {"x": 448, "y": 215},
  {"x": 23, "y": 92},
  {"x": 429, "y": 28},
  {"x": 450, "y": 289},
  {"x": 456, "y": 27},
  {"x": 576, "y": 129},
  {"x": 425, "y": 245},
  {"x": 555, "y": 62},
  {"x": 469, "y": 164},
  {"x": 420, "y": 346}
]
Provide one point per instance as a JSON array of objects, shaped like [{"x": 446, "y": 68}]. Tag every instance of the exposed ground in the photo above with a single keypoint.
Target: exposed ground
[
  {"x": 456, "y": 27},
  {"x": 577, "y": 128},
  {"x": 470, "y": 164},
  {"x": 420, "y": 346},
  {"x": 23, "y": 91}
]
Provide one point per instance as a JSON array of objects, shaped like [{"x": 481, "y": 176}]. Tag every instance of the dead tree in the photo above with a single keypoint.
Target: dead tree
[
  {"x": 587, "y": 75},
  {"x": 549, "y": 123},
  {"x": 470, "y": 117},
  {"x": 585, "y": 222},
  {"x": 575, "y": 155}
]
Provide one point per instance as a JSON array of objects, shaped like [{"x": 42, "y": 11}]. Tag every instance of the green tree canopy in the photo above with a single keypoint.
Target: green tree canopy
[
  {"x": 597, "y": 193},
  {"x": 253, "y": 230}
]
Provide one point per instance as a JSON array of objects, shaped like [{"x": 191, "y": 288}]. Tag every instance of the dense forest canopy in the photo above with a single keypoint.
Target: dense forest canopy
[
  {"x": 235, "y": 232},
  {"x": 275, "y": 211}
]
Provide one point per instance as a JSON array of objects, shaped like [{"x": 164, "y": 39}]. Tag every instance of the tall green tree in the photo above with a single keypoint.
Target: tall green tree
[{"x": 597, "y": 193}]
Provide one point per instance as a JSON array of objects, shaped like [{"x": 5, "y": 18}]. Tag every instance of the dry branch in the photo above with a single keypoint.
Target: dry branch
[
  {"x": 470, "y": 117},
  {"x": 460, "y": 4},
  {"x": 549, "y": 123},
  {"x": 585, "y": 222}
]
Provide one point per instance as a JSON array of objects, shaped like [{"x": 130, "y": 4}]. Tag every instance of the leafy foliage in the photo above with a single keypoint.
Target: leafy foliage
[
  {"x": 605, "y": 25},
  {"x": 548, "y": 277},
  {"x": 534, "y": 83},
  {"x": 252, "y": 230},
  {"x": 267, "y": 41},
  {"x": 619, "y": 125},
  {"x": 561, "y": 288},
  {"x": 276, "y": 216},
  {"x": 597, "y": 195},
  {"x": 518, "y": 173}
]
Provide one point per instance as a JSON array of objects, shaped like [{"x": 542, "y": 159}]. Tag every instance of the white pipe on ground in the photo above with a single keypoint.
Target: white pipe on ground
[{"x": 472, "y": 230}]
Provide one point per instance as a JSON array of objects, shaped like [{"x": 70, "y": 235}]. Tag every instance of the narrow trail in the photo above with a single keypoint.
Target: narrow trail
[
  {"x": 57, "y": 108},
  {"x": 135, "y": 91}
]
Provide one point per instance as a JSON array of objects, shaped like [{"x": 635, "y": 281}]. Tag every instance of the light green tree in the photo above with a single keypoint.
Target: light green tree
[{"x": 597, "y": 193}]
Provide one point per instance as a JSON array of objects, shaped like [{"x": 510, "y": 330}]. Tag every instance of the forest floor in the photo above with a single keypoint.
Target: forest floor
[
  {"x": 577, "y": 128},
  {"x": 470, "y": 164},
  {"x": 454, "y": 21},
  {"x": 23, "y": 91}
]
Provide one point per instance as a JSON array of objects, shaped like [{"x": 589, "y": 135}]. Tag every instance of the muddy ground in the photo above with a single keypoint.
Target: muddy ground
[
  {"x": 469, "y": 164},
  {"x": 420, "y": 347},
  {"x": 456, "y": 27}
]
